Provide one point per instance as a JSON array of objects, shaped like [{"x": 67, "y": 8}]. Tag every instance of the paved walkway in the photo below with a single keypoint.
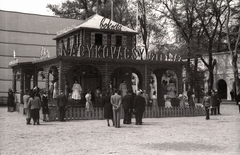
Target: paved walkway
[{"x": 164, "y": 136}]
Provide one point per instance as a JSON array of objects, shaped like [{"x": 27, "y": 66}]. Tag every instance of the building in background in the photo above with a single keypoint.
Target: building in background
[{"x": 23, "y": 38}]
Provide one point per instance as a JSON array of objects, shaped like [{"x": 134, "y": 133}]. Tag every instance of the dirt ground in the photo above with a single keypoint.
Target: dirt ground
[{"x": 164, "y": 136}]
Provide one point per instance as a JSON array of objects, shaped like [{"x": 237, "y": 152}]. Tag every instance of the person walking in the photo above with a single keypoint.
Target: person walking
[
  {"x": 108, "y": 112},
  {"x": 207, "y": 103},
  {"x": 10, "y": 100},
  {"x": 35, "y": 106},
  {"x": 45, "y": 110},
  {"x": 26, "y": 97},
  {"x": 61, "y": 103},
  {"x": 127, "y": 105},
  {"x": 139, "y": 107},
  {"x": 116, "y": 101}
]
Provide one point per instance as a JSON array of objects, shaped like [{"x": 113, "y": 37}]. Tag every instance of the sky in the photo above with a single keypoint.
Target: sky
[{"x": 29, "y": 6}]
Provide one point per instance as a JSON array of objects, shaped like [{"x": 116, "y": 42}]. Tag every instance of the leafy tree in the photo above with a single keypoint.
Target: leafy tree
[
  {"x": 183, "y": 18},
  {"x": 233, "y": 15},
  {"x": 210, "y": 14},
  {"x": 78, "y": 9}
]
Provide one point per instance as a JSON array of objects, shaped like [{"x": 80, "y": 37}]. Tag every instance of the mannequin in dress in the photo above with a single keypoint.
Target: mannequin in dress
[
  {"x": 123, "y": 88},
  {"x": 76, "y": 91},
  {"x": 51, "y": 87},
  {"x": 55, "y": 90}
]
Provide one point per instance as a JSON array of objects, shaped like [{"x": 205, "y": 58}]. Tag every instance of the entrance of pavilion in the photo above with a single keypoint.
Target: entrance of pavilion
[
  {"x": 130, "y": 75},
  {"x": 87, "y": 76},
  {"x": 165, "y": 82}
]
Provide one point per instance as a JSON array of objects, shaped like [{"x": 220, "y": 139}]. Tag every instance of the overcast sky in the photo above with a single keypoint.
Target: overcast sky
[{"x": 28, "y": 6}]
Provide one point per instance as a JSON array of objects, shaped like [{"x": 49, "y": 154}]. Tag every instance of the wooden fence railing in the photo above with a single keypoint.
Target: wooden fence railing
[{"x": 79, "y": 113}]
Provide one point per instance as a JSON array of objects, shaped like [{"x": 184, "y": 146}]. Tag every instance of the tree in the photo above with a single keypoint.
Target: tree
[
  {"x": 233, "y": 14},
  {"x": 210, "y": 14},
  {"x": 78, "y": 9},
  {"x": 143, "y": 22},
  {"x": 181, "y": 14}
]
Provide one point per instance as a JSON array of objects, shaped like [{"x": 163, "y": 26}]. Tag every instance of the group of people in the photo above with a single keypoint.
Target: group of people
[
  {"x": 32, "y": 104},
  {"x": 211, "y": 102},
  {"x": 131, "y": 104}
]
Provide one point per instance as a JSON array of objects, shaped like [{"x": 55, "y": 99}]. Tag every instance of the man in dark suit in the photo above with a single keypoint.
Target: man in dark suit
[
  {"x": 61, "y": 103},
  {"x": 139, "y": 107},
  {"x": 127, "y": 105},
  {"x": 215, "y": 100}
]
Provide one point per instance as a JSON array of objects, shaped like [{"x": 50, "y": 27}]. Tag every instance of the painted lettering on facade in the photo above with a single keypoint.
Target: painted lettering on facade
[
  {"x": 93, "y": 51},
  {"x": 109, "y": 25}
]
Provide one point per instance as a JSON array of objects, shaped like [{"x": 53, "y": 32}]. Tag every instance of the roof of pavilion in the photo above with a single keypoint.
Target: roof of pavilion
[{"x": 95, "y": 22}]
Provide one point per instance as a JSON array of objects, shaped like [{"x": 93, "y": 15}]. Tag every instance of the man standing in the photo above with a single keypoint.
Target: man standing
[
  {"x": 127, "y": 105},
  {"x": 219, "y": 101},
  {"x": 190, "y": 96},
  {"x": 139, "y": 107},
  {"x": 215, "y": 102},
  {"x": 116, "y": 101},
  {"x": 61, "y": 103}
]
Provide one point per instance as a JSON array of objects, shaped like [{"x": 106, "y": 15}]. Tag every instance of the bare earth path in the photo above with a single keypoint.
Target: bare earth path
[{"x": 171, "y": 136}]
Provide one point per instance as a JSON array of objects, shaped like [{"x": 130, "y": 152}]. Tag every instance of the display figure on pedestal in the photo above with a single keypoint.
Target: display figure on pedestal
[
  {"x": 76, "y": 91},
  {"x": 123, "y": 88},
  {"x": 55, "y": 90}
]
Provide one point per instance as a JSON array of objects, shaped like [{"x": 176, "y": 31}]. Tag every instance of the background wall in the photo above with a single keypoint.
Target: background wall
[{"x": 26, "y": 34}]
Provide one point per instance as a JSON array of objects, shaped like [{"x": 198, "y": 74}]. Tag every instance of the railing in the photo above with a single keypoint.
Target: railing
[{"x": 80, "y": 113}]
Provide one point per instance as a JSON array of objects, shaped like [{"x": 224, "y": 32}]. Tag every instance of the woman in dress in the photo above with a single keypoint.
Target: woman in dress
[
  {"x": 10, "y": 100},
  {"x": 108, "y": 112},
  {"x": 123, "y": 88},
  {"x": 55, "y": 90},
  {"x": 89, "y": 106},
  {"x": 76, "y": 91},
  {"x": 167, "y": 99},
  {"x": 182, "y": 100},
  {"x": 45, "y": 110},
  {"x": 154, "y": 98}
]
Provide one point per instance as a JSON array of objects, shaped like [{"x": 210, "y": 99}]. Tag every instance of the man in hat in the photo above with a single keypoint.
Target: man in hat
[
  {"x": 127, "y": 106},
  {"x": 139, "y": 107}
]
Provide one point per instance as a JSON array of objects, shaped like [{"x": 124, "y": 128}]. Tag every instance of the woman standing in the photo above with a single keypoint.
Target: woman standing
[
  {"x": 182, "y": 100},
  {"x": 45, "y": 110},
  {"x": 154, "y": 98},
  {"x": 89, "y": 106},
  {"x": 207, "y": 103},
  {"x": 108, "y": 113},
  {"x": 10, "y": 100},
  {"x": 35, "y": 105}
]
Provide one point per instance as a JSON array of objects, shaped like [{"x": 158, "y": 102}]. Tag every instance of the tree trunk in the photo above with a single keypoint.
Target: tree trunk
[{"x": 235, "y": 71}]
